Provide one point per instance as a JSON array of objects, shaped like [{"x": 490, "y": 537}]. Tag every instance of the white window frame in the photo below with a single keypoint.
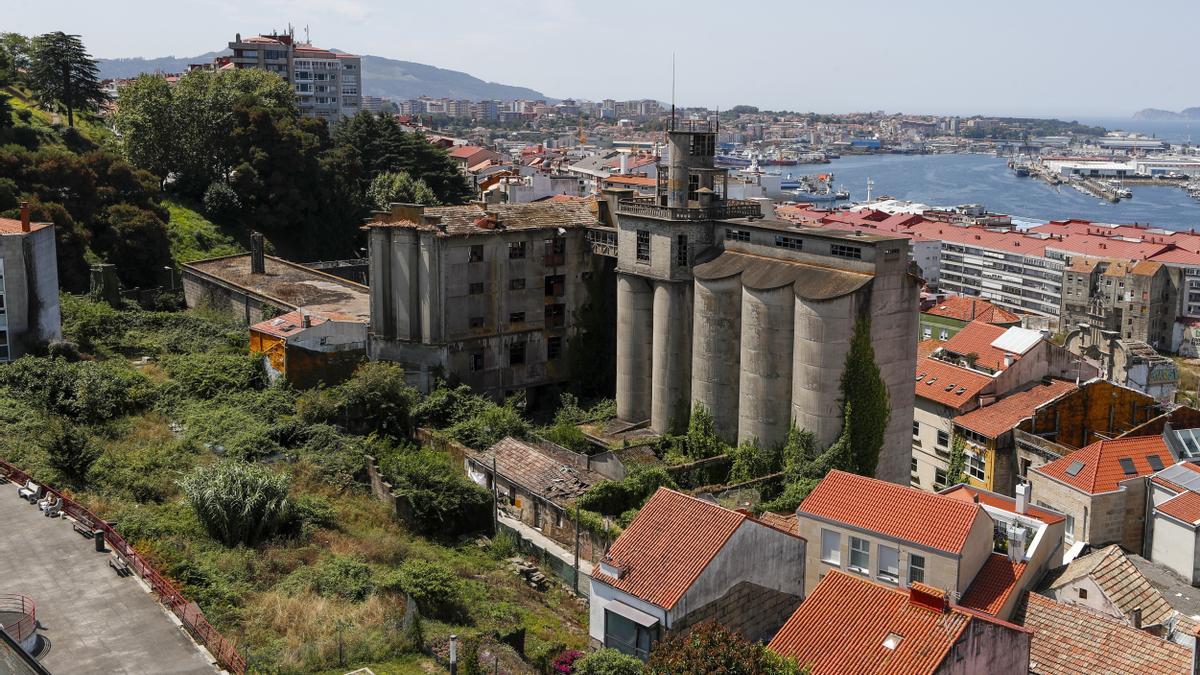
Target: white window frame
[
  {"x": 831, "y": 555},
  {"x": 976, "y": 466},
  {"x": 912, "y": 565},
  {"x": 860, "y": 547},
  {"x": 888, "y": 573}
]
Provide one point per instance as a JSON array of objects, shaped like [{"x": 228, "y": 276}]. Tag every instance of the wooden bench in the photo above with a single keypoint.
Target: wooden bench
[
  {"x": 84, "y": 526},
  {"x": 118, "y": 563}
]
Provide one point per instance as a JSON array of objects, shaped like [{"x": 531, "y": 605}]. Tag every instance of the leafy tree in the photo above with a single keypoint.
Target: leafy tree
[
  {"x": 615, "y": 497},
  {"x": 490, "y": 424},
  {"x": 799, "y": 446},
  {"x": 70, "y": 450},
  {"x": 239, "y": 503},
  {"x": 145, "y": 118},
  {"x": 865, "y": 398},
  {"x": 435, "y": 589},
  {"x": 444, "y": 503},
  {"x": 445, "y": 406},
  {"x": 608, "y": 662},
  {"x": 711, "y": 648},
  {"x": 6, "y": 78},
  {"x": 398, "y": 186},
  {"x": 376, "y": 399},
  {"x": 956, "y": 471},
  {"x": 16, "y": 49},
  {"x": 135, "y": 240},
  {"x": 751, "y": 461},
  {"x": 702, "y": 439},
  {"x": 221, "y": 203},
  {"x": 64, "y": 75}
]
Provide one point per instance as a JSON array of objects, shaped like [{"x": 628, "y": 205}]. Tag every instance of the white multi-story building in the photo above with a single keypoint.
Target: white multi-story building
[{"x": 328, "y": 84}]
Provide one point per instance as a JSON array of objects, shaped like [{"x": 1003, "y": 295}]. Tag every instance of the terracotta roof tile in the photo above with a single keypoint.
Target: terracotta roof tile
[
  {"x": 968, "y": 493},
  {"x": 1004, "y": 414},
  {"x": 993, "y": 584},
  {"x": 893, "y": 511},
  {"x": 1121, "y": 581},
  {"x": 964, "y": 308},
  {"x": 977, "y": 338},
  {"x": 13, "y": 226},
  {"x": 786, "y": 522},
  {"x": 841, "y": 627},
  {"x": 1185, "y": 507},
  {"x": 539, "y": 470},
  {"x": 1102, "y": 470},
  {"x": 1068, "y": 640},
  {"x": 286, "y": 325},
  {"x": 934, "y": 376},
  {"x": 927, "y": 347},
  {"x": 668, "y": 545}
]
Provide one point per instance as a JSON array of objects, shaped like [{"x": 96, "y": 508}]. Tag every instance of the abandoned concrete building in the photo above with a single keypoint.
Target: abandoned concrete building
[
  {"x": 749, "y": 316},
  {"x": 486, "y": 295},
  {"x": 29, "y": 312}
]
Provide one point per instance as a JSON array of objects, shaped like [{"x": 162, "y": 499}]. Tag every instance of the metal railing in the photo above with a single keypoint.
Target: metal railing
[
  {"x": 1042, "y": 446},
  {"x": 11, "y": 603},
  {"x": 650, "y": 208},
  {"x": 222, "y": 649}
]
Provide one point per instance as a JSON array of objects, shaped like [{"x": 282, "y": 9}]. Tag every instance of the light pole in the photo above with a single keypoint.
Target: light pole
[{"x": 453, "y": 655}]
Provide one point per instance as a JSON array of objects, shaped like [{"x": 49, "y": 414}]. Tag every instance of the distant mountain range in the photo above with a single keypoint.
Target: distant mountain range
[
  {"x": 388, "y": 78},
  {"x": 1157, "y": 114}
]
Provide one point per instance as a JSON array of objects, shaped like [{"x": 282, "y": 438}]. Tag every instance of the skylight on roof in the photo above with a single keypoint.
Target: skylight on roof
[
  {"x": 1075, "y": 468},
  {"x": 1155, "y": 462},
  {"x": 961, "y": 391},
  {"x": 1127, "y": 466},
  {"x": 931, "y": 380},
  {"x": 892, "y": 640}
]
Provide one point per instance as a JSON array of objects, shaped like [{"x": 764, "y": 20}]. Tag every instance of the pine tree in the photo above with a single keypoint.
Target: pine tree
[
  {"x": 63, "y": 75},
  {"x": 865, "y": 398}
]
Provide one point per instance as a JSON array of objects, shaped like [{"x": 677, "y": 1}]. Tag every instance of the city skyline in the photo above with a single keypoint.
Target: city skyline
[{"x": 934, "y": 58}]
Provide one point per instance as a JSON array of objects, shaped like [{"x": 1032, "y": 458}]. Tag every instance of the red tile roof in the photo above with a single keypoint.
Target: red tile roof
[
  {"x": 893, "y": 511},
  {"x": 841, "y": 627},
  {"x": 1185, "y": 507},
  {"x": 964, "y": 308},
  {"x": 977, "y": 338},
  {"x": 993, "y": 584},
  {"x": 668, "y": 545},
  {"x": 1101, "y": 470},
  {"x": 927, "y": 347},
  {"x": 1004, "y": 415},
  {"x": 1068, "y": 640},
  {"x": 968, "y": 493},
  {"x": 933, "y": 376},
  {"x": 287, "y": 325},
  {"x": 13, "y": 226}
]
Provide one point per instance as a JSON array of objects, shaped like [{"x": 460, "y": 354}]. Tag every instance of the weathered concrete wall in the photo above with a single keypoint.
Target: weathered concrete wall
[
  {"x": 671, "y": 363},
  {"x": 635, "y": 331},
  {"x": 1117, "y": 517},
  {"x": 895, "y": 301},
  {"x": 988, "y": 647},
  {"x": 822, "y": 340},
  {"x": 1173, "y": 544},
  {"x": 751, "y": 610},
  {"x": 204, "y": 291},
  {"x": 1099, "y": 407},
  {"x": 716, "y": 364},
  {"x": 1092, "y": 597},
  {"x": 764, "y": 408}
]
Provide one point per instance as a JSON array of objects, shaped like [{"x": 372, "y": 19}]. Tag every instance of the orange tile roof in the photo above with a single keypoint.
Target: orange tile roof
[
  {"x": 935, "y": 375},
  {"x": 993, "y": 584},
  {"x": 977, "y": 338},
  {"x": 286, "y": 325},
  {"x": 841, "y": 627},
  {"x": 13, "y": 226},
  {"x": 632, "y": 180},
  {"x": 893, "y": 511},
  {"x": 668, "y": 545},
  {"x": 786, "y": 522},
  {"x": 964, "y": 308},
  {"x": 1102, "y": 471},
  {"x": 927, "y": 347},
  {"x": 968, "y": 493},
  {"x": 1068, "y": 639},
  {"x": 1004, "y": 415},
  {"x": 1185, "y": 507}
]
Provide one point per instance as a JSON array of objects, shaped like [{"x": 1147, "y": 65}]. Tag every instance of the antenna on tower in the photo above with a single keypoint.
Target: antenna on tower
[
  {"x": 672, "y": 91},
  {"x": 307, "y": 40}
]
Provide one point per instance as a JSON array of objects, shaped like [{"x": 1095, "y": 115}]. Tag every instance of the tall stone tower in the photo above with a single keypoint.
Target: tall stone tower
[{"x": 752, "y": 317}]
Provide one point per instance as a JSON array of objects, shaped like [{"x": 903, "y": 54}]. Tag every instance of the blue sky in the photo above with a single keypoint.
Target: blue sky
[{"x": 1049, "y": 57}]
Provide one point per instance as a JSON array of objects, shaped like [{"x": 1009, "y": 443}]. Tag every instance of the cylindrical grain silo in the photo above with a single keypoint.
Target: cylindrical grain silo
[
  {"x": 765, "y": 388},
  {"x": 716, "y": 352},
  {"x": 635, "y": 328},
  {"x": 823, "y": 332},
  {"x": 671, "y": 377}
]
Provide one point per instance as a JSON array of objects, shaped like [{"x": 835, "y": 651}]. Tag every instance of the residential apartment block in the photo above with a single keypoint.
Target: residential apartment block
[
  {"x": 29, "y": 311},
  {"x": 328, "y": 84}
]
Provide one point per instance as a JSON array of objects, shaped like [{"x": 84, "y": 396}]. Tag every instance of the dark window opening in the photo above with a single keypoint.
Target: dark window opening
[
  {"x": 516, "y": 249},
  {"x": 476, "y": 322},
  {"x": 476, "y": 288},
  {"x": 794, "y": 243},
  {"x": 516, "y": 317},
  {"x": 556, "y": 284},
  {"x": 556, "y": 251},
  {"x": 643, "y": 245},
  {"x": 556, "y": 316},
  {"x": 681, "y": 251},
  {"x": 516, "y": 354},
  {"x": 476, "y": 362},
  {"x": 843, "y": 251},
  {"x": 553, "y": 349},
  {"x": 516, "y": 284},
  {"x": 476, "y": 253}
]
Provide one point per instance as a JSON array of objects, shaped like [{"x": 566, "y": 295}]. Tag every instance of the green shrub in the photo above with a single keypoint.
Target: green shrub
[
  {"x": 608, "y": 662},
  {"x": 702, "y": 440},
  {"x": 613, "y": 498},
  {"x": 445, "y": 406},
  {"x": 376, "y": 399},
  {"x": 751, "y": 461},
  {"x": 568, "y": 436},
  {"x": 338, "y": 576},
  {"x": 709, "y": 647},
  {"x": 504, "y": 545},
  {"x": 239, "y": 503},
  {"x": 489, "y": 425},
  {"x": 435, "y": 589},
  {"x": 444, "y": 502},
  {"x": 221, "y": 203},
  {"x": 311, "y": 512},
  {"x": 207, "y": 375},
  {"x": 69, "y": 449},
  {"x": 87, "y": 391}
]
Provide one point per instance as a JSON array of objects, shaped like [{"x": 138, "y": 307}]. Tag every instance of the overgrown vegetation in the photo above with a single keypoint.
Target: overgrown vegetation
[
  {"x": 710, "y": 648},
  {"x": 258, "y": 511}
]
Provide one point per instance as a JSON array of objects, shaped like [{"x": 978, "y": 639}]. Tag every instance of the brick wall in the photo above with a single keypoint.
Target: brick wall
[{"x": 755, "y": 612}]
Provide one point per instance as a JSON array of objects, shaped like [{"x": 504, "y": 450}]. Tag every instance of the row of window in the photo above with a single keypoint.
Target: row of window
[
  {"x": 555, "y": 251},
  {"x": 554, "y": 284},
  {"x": 554, "y": 315},
  {"x": 887, "y": 567},
  {"x": 517, "y": 353}
]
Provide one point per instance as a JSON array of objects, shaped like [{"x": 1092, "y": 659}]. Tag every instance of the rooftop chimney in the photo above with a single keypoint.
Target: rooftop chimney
[
  {"x": 24, "y": 216},
  {"x": 258, "y": 263},
  {"x": 305, "y": 319},
  {"x": 1016, "y": 542},
  {"x": 1135, "y": 617},
  {"x": 928, "y": 597},
  {"x": 1024, "y": 492},
  {"x": 1008, "y": 359}
]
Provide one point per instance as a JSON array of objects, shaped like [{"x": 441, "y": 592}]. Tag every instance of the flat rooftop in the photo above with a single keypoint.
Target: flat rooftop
[
  {"x": 290, "y": 284},
  {"x": 95, "y": 621}
]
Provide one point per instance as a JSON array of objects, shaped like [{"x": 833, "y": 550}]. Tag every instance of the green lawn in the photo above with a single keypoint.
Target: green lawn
[{"x": 194, "y": 237}]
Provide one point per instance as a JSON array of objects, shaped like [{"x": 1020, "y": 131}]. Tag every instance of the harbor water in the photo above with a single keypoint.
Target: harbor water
[{"x": 950, "y": 180}]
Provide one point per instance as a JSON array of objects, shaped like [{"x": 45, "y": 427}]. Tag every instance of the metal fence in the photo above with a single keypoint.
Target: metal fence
[
  {"x": 11, "y": 603},
  {"x": 222, "y": 649}
]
